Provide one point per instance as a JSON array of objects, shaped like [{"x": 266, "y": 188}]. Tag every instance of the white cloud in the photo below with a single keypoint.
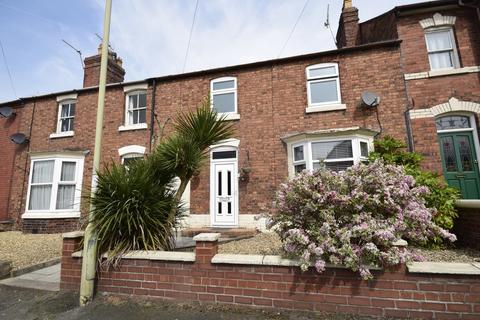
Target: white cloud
[{"x": 152, "y": 36}]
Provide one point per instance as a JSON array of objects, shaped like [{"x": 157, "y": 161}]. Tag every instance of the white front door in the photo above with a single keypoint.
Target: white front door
[{"x": 223, "y": 191}]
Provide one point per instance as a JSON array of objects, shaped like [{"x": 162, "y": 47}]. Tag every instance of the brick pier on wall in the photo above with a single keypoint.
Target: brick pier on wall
[{"x": 274, "y": 282}]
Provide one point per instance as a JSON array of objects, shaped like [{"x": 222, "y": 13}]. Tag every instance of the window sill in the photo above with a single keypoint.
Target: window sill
[
  {"x": 51, "y": 215},
  {"x": 327, "y": 107},
  {"x": 140, "y": 126},
  {"x": 229, "y": 116},
  {"x": 441, "y": 73},
  {"x": 62, "y": 134}
]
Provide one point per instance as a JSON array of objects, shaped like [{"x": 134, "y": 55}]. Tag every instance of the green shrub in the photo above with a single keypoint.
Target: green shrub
[
  {"x": 139, "y": 208},
  {"x": 131, "y": 211},
  {"x": 441, "y": 197}
]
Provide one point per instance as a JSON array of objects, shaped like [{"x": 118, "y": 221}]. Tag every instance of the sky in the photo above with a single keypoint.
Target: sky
[{"x": 151, "y": 36}]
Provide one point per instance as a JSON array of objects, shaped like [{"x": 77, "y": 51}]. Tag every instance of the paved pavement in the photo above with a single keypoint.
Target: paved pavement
[
  {"x": 42, "y": 279},
  {"x": 32, "y": 304}
]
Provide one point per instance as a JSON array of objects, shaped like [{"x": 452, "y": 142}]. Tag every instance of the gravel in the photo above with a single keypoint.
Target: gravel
[
  {"x": 270, "y": 244},
  {"x": 263, "y": 243},
  {"x": 24, "y": 250}
]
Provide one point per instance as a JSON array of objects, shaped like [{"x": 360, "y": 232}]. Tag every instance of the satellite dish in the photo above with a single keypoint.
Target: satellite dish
[
  {"x": 370, "y": 99},
  {"x": 6, "y": 112},
  {"x": 18, "y": 138}
]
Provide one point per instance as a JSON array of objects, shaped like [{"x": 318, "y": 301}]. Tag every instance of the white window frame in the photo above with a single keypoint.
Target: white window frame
[
  {"x": 130, "y": 126},
  {"x": 59, "y": 133},
  {"x": 328, "y": 105},
  {"x": 132, "y": 151},
  {"x": 229, "y": 115},
  {"x": 307, "y": 151},
  {"x": 52, "y": 212},
  {"x": 456, "y": 61}
]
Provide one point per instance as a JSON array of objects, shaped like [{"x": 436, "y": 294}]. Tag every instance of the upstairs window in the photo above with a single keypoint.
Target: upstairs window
[
  {"x": 224, "y": 95},
  {"x": 442, "y": 51},
  {"x": 66, "y": 116},
  {"x": 136, "y": 110},
  {"x": 323, "y": 84}
]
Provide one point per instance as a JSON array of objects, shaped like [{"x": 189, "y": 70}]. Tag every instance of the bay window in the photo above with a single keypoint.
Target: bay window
[
  {"x": 54, "y": 188},
  {"x": 335, "y": 154}
]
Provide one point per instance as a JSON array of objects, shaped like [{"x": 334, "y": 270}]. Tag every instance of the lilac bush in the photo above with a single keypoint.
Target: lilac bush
[{"x": 353, "y": 217}]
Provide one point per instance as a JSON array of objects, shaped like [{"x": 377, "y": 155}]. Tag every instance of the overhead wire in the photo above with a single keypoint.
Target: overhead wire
[
  {"x": 190, "y": 36},
  {"x": 8, "y": 69},
  {"x": 294, "y": 27}
]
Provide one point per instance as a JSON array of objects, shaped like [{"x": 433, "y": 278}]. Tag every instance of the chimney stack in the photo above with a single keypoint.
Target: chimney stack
[
  {"x": 348, "y": 28},
  {"x": 91, "y": 71}
]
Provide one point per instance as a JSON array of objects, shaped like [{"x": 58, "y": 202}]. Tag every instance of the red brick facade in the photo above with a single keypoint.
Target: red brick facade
[
  {"x": 272, "y": 101},
  {"x": 393, "y": 293}
]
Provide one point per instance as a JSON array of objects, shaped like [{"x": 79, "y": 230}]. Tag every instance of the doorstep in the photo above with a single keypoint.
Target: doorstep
[{"x": 228, "y": 233}]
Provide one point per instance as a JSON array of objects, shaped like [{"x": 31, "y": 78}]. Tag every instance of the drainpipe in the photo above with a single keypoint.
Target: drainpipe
[
  {"x": 87, "y": 283},
  {"x": 26, "y": 160},
  {"x": 152, "y": 115}
]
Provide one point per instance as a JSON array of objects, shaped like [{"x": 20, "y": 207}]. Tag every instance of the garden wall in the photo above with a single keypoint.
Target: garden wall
[{"x": 273, "y": 282}]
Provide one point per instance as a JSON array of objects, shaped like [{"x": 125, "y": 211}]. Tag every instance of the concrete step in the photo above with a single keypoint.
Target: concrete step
[{"x": 227, "y": 233}]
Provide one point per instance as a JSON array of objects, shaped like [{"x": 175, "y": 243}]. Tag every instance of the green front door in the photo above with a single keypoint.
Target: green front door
[{"x": 460, "y": 166}]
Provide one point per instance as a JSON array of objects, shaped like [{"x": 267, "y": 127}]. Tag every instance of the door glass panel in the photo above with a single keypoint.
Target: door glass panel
[
  {"x": 449, "y": 157},
  {"x": 220, "y": 208},
  {"x": 224, "y": 155},
  {"x": 220, "y": 183},
  {"x": 229, "y": 183},
  {"x": 465, "y": 153},
  {"x": 229, "y": 211},
  {"x": 452, "y": 122}
]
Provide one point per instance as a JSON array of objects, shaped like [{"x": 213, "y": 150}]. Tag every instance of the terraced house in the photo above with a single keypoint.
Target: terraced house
[{"x": 412, "y": 73}]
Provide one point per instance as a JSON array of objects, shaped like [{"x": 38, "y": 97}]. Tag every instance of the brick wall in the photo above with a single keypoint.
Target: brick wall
[
  {"x": 7, "y": 157},
  {"x": 428, "y": 92},
  {"x": 271, "y": 102},
  {"x": 50, "y": 225},
  {"x": 414, "y": 48},
  {"x": 394, "y": 293}
]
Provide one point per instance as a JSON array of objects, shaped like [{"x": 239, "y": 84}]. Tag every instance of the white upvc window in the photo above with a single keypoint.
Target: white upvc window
[
  {"x": 136, "y": 108},
  {"x": 323, "y": 87},
  {"x": 335, "y": 154},
  {"x": 128, "y": 158},
  {"x": 223, "y": 96},
  {"x": 442, "y": 49},
  {"x": 54, "y": 189},
  {"x": 131, "y": 153}
]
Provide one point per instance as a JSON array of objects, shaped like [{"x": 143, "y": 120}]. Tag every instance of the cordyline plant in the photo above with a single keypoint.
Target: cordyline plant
[
  {"x": 353, "y": 217},
  {"x": 139, "y": 207}
]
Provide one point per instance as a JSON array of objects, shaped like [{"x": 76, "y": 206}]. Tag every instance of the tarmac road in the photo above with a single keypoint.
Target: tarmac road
[{"x": 31, "y": 304}]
